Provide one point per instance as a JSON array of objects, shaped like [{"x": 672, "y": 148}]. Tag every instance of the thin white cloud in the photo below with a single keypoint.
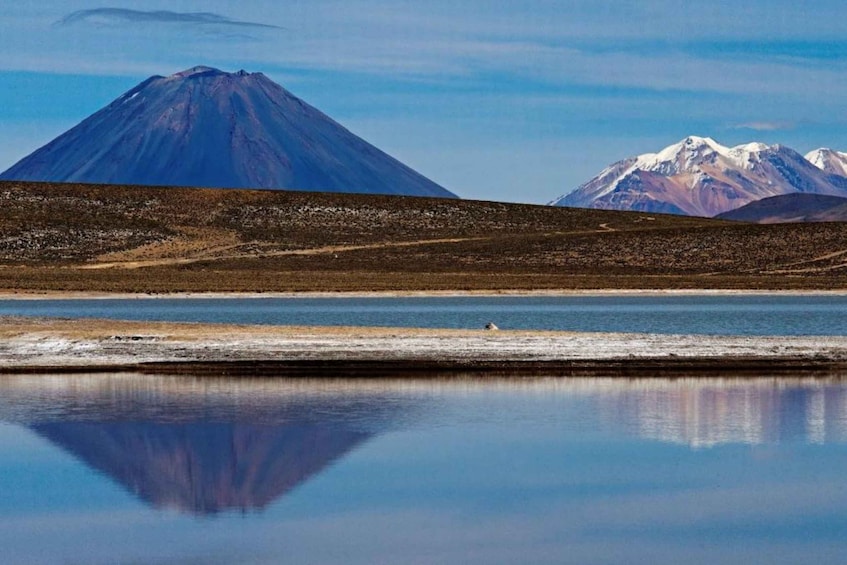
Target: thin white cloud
[
  {"x": 766, "y": 126},
  {"x": 127, "y": 16}
]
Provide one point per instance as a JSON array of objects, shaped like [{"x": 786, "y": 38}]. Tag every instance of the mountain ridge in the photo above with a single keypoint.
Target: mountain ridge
[
  {"x": 700, "y": 177},
  {"x": 791, "y": 208}
]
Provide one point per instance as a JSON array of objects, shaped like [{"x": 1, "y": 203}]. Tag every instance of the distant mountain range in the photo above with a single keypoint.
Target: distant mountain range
[
  {"x": 205, "y": 127},
  {"x": 208, "y": 128},
  {"x": 700, "y": 177}
]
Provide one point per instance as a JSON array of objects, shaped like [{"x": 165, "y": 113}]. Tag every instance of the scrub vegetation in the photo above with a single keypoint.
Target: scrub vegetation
[{"x": 67, "y": 237}]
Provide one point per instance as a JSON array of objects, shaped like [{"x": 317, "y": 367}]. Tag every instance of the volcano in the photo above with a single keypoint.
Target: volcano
[{"x": 205, "y": 127}]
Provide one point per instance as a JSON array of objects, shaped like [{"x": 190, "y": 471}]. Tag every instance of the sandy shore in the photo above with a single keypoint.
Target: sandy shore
[{"x": 48, "y": 345}]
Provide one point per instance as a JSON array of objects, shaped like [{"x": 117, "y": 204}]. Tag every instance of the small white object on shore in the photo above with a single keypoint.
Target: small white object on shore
[{"x": 491, "y": 326}]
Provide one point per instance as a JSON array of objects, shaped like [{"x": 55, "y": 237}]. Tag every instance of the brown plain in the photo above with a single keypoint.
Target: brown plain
[{"x": 98, "y": 238}]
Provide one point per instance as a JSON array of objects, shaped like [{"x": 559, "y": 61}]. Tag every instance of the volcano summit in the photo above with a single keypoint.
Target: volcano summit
[{"x": 205, "y": 127}]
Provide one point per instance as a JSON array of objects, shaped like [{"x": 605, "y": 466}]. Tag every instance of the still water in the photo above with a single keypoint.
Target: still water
[
  {"x": 129, "y": 469},
  {"x": 704, "y": 314}
]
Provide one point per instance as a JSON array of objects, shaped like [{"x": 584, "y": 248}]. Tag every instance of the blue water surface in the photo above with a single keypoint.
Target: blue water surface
[
  {"x": 145, "y": 469},
  {"x": 696, "y": 314}
]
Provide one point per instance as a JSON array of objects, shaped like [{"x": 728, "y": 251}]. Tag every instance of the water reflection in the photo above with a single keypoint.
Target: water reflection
[
  {"x": 435, "y": 471},
  {"x": 197, "y": 446},
  {"x": 203, "y": 446},
  {"x": 713, "y": 412},
  {"x": 204, "y": 468}
]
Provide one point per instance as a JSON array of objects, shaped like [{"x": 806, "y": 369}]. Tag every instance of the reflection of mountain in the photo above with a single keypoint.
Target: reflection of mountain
[
  {"x": 708, "y": 413},
  {"x": 204, "y": 467},
  {"x": 211, "y": 445},
  {"x": 201, "y": 445}
]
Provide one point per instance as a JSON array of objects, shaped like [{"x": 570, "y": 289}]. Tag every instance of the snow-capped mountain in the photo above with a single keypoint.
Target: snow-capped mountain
[
  {"x": 205, "y": 127},
  {"x": 829, "y": 160},
  {"x": 701, "y": 177}
]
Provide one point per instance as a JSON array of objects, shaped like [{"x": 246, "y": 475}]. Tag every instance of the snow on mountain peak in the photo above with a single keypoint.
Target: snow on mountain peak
[
  {"x": 754, "y": 147},
  {"x": 829, "y": 160},
  {"x": 696, "y": 141},
  {"x": 691, "y": 144},
  {"x": 683, "y": 156},
  {"x": 817, "y": 156}
]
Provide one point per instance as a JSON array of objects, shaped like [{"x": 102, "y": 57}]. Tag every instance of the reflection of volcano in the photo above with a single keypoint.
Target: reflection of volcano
[
  {"x": 201, "y": 445},
  {"x": 204, "y": 467}
]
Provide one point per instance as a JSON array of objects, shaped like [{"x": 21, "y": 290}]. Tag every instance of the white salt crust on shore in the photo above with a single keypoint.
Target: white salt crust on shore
[{"x": 71, "y": 344}]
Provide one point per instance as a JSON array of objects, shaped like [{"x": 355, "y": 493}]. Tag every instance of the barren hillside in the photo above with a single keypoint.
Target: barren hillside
[{"x": 134, "y": 239}]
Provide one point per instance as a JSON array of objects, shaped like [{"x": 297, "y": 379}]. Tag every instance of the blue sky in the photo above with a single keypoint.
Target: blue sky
[{"x": 494, "y": 99}]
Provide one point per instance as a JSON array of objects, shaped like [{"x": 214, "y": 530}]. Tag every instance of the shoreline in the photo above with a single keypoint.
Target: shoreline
[
  {"x": 83, "y": 295},
  {"x": 649, "y": 367},
  {"x": 48, "y": 345}
]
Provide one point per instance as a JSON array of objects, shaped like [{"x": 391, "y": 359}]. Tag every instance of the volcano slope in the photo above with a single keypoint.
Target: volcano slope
[{"x": 101, "y": 238}]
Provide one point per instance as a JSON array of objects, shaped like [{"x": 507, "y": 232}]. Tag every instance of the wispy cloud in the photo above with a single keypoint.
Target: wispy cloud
[
  {"x": 123, "y": 15},
  {"x": 766, "y": 126}
]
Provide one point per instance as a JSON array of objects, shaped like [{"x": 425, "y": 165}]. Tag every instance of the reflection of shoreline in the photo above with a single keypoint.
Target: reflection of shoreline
[
  {"x": 469, "y": 364},
  {"x": 710, "y": 414},
  {"x": 132, "y": 397}
]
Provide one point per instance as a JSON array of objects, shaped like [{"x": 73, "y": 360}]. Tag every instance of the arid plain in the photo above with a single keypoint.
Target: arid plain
[{"x": 97, "y": 238}]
